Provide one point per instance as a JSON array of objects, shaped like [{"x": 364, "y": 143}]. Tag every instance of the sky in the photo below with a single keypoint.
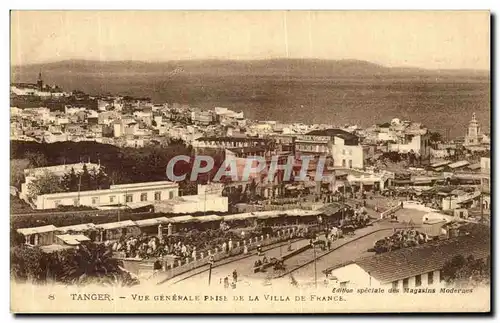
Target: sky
[{"x": 426, "y": 39}]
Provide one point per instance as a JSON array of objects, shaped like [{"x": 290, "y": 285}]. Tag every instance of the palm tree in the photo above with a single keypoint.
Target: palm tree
[{"x": 93, "y": 263}]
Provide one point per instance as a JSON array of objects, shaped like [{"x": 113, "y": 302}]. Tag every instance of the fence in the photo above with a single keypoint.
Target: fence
[
  {"x": 390, "y": 211},
  {"x": 180, "y": 266}
]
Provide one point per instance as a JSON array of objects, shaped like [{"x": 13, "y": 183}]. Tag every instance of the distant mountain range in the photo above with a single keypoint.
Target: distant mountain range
[{"x": 273, "y": 67}]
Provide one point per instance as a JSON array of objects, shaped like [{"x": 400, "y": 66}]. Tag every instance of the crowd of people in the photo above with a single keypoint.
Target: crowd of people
[
  {"x": 144, "y": 247},
  {"x": 187, "y": 244},
  {"x": 401, "y": 239}
]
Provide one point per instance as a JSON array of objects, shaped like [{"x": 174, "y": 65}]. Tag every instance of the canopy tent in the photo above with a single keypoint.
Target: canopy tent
[
  {"x": 268, "y": 214},
  {"x": 239, "y": 216},
  {"x": 78, "y": 227},
  {"x": 116, "y": 225},
  {"x": 209, "y": 218},
  {"x": 72, "y": 239},
  {"x": 151, "y": 222},
  {"x": 183, "y": 219},
  {"x": 299, "y": 212},
  {"x": 37, "y": 230}
]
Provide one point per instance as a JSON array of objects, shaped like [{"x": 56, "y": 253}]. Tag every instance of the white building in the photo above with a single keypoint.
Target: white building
[
  {"x": 485, "y": 165},
  {"x": 416, "y": 267},
  {"x": 347, "y": 154},
  {"x": 153, "y": 192},
  {"x": 342, "y": 146},
  {"x": 208, "y": 199}
]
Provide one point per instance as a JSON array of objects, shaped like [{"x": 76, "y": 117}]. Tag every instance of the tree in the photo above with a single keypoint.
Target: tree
[
  {"x": 36, "y": 159},
  {"x": 92, "y": 264},
  {"x": 46, "y": 183},
  {"x": 465, "y": 272},
  {"x": 26, "y": 263},
  {"x": 17, "y": 167},
  {"x": 86, "y": 179},
  {"x": 16, "y": 239},
  {"x": 100, "y": 180},
  {"x": 435, "y": 137},
  {"x": 70, "y": 181}
]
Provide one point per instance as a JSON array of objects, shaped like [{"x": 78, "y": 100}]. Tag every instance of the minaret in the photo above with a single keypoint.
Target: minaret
[
  {"x": 472, "y": 136},
  {"x": 40, "y": 81}
]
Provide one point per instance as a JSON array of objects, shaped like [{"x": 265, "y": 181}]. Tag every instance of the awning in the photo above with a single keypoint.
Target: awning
[
  {"x": 209, "y": 218},
  {"x": 239, "y": 216},
  {"x": 268, "y": 214},
  {"x": 77, "y": 227},
  {"x": 116, "y": 225},
  {"x": 151, "y": 222},
  {"x": 183, "y": 219},
  {"x": 37, "y": 230},
  {"x": 73, "y": 239},
  {"x": 302, "y": 213}
]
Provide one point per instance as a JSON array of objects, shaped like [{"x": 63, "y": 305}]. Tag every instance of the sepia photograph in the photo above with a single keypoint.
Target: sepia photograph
[{"x": 250, "y": 161}]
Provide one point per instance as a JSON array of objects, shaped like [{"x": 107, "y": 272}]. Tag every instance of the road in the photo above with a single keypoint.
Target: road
[
  {"x": 244, "y": 267},
  {"x": 348, "y": 252},
  {"x": 354, "y": 247}
]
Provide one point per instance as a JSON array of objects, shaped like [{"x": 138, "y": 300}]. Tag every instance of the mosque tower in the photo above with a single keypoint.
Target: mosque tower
[
  {"x": 39, "y": 82},
  {"x": 473, "y": 132}
]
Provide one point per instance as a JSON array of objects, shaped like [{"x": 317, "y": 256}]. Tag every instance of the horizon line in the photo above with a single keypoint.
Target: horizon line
[{"x": 249, "y": 60}]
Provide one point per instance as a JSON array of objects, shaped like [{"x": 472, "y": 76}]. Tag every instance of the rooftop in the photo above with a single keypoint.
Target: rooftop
[
  {"x": 333, "y": 133},
  {"x": 237, "y": 139},
  {"x": 409, "y": 262}
]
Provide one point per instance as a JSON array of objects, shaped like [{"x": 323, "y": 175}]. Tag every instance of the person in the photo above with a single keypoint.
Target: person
[
  {"x": 226, "y": 282},
  {"x": 289, "y": 245},
  {"x": 329, "y": 244},
  {"x": 235, "y": 275},
  {"x": 233, "y": 285},
  {"x": 259, "y": 250},
  {"x": 245, "y": 249}
]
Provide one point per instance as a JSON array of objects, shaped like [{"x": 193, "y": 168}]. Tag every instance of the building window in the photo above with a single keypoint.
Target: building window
[
  {"x": 405, "y": 283},
  {"x": 418, "y": 280},
  {"x": 430, "y": 278},
  {"x": 171, "y": 195},
  {"x": 395, "y": 284},
  {"x": 144, "y": 197},
  {"x": 95, "y": 200},
  {"x": 350, "y": 163},
  {"x": 157, "y": 196},
  {"x": 343, "y": 162},
  {"x": 111, "y": 199},
  {"x": 128, "y": 198}
]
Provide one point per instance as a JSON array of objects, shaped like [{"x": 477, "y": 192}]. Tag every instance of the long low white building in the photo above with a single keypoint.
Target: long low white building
[{"x": 115, "y": 195}]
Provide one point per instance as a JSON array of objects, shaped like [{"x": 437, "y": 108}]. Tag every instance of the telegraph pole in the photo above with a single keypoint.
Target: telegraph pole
[
  {"x": 205, "y": 202},
  {"x": 210, "y": 263},
  {"x": 315, "y": 271},
  {"x": 79, "y": 187}
]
